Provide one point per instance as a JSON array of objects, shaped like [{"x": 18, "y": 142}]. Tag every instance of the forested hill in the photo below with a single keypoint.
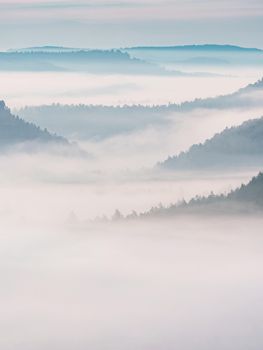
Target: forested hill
[
  {"x": 247, "y": 199},
  {"x": 85, "y": 122},
  {"x": 14, "y": 130},
  {"x": 234, "y": 147},
  {"x": 92, "y": 61}
]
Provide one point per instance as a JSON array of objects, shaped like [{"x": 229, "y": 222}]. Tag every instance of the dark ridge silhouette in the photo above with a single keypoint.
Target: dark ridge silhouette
[
  {"x": 14, "y": 130},
  {"x": 240, "y": 146},
  {"x": 247, "y": 199}
]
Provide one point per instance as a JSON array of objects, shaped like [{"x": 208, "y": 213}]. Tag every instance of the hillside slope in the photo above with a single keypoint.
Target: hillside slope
[
  {"x": 247, "y": 199},
  {"x": 14, "y": 130},
  {"x": 235, "y": 147}
]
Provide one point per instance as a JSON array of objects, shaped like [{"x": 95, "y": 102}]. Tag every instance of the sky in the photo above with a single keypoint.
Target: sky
[{"x": 122, "y": 23}]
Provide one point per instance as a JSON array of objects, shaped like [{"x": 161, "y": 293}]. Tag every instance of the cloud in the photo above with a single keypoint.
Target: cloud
[{"x": 123, "y": 10}]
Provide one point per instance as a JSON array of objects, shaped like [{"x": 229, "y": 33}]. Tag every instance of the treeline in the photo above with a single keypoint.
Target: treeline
[{"x": 247, "y": 199}]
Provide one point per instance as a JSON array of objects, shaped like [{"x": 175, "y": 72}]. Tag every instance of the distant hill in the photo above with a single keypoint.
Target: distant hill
[
  {"x": 68, "y": 60},
  {"x": 100, "y": 122},
  {"x": 244, "y": 97},
  {"x": 47, "y": 49},
  {"x": 86, "y": 122},
  {"x": 206, "y": 47},
  {"x": 247, "y": 199},
  {"x": 153, "y": 60},
  {"x": 15, "y": 131},
  {"x": 240, "y": 146},
  {"x": 198, "y": 55}
]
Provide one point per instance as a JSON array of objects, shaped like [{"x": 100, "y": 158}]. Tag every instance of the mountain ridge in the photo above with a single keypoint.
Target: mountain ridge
[
  {"x": 82, "y": 120},
  {"x": 227, "y": 47},
  {"x": 93, "y": 61}
]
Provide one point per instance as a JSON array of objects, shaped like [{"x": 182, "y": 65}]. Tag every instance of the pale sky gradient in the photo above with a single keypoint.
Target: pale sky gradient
[{"x": 118, "y": 23}]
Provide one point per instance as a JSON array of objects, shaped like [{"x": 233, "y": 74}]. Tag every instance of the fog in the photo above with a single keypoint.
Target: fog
[
  {"x": 34, "y": 88},
  {"x": 142, "y": 148},
  {"x": 70, "y": 280},
  {"x": 117, "y": 173},
  {"x": 40, "y": 188},
  {"x": 129, "y": 138},
  {"x": 186, "y": 284}
]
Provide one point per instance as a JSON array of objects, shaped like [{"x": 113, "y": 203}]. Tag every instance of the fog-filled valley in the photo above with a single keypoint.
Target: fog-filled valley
[
  {"x": 131, "y": 198},
  {"x": 145, "y": 286}
]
